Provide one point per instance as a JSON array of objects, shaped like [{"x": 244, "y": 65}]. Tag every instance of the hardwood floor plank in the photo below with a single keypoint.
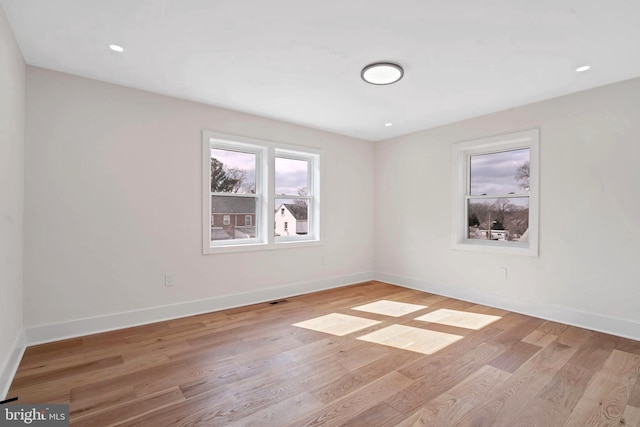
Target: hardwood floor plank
[
  {"x": 48, "y": 365},
  {"x": 634, "y": 398},
  {"x": 67, "y": 372},
  {"x": 380, "y": 415},
  {"x": 592, "y": 353},
  {"x": 475, "y": 387},
  {"x": 574, "y": 337},
  {"x": 442, "y": 411},
  {"x": 541, "y": 413},
  {"x": 631, "y": 417},
  {"x": 81, "y": 404},
  {"x": 447, "y": 409},
  {"x": 554, "y": 355},
  {"x": 281, "y": 413},
  {"x": 552, "y": 328},
  {"x": 605, "y": 399},
  {"x": 250, "y": 366},
  {"x": 353, "y": 404},
  {"x": 441, "y": 377},
  {"x": 126, "y": 411},
  {"x": 426, "y": 365},
  {"x": 366, "y": 374},
  {"x": 515, "y": 356},
  {"x": 501, "y": 406},
  {"x": 567, "y": 386},
  {"x": 204, "y": 410},
  {"x": 540, "y": 338}
]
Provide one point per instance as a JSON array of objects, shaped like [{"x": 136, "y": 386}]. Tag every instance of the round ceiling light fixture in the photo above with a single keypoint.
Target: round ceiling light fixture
[
  {"x": 382, "y": 73},
  {"x": 583, "y": 68}
]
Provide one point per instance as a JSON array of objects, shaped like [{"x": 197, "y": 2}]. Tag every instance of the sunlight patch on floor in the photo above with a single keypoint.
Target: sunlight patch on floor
[
  {"x": 390, "y": 308},
  {"x": 461, "y": 319},
  {"x": 336, "y": 324},
  {"x": 409, "y": 338}
]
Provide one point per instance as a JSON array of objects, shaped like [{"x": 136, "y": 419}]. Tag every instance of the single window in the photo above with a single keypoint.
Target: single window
[
  {"x": 496, "y": 194},
  {"x": 295, "y": 194},
  {"x": 256, "y": 179}
]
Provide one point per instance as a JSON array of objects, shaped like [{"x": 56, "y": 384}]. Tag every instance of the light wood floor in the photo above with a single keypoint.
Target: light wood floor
[{"x": 251, "y": 366}]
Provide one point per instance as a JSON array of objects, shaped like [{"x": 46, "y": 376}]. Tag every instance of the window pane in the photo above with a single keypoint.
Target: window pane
[
  {"x": 500, "y": 173},
  {"x": 291, "y": 217},
  {"x": 292, "y": 177},
  {"x": 507, "y": 218},
  {"x": 233, "y": 171},
  {"x": 230, "y": 216}
]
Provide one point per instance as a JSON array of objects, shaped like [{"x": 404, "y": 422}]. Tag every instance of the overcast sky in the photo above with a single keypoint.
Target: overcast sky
[
  {"x": 495, "y": 173},
  {"x": 290, "y": 174}
]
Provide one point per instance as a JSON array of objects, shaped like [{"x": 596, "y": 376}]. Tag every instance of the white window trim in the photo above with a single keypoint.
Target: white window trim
[
  {"x": 264, "y": 223},
  {"x": 462, "y": 152},
  {"x": 313, "y": 198}
]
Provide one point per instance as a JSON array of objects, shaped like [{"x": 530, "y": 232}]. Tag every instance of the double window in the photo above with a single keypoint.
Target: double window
[
  {"x": 496, "y": 194},
  {"x": 258, "y": 194}
]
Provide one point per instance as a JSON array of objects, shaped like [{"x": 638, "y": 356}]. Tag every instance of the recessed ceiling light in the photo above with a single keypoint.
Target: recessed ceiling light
[
  {"x": 388, "y": 124},
  {"x": 382, "y": 73},
  {"x": 583, "y": 68},
  {"x": 116, "y": 48}
]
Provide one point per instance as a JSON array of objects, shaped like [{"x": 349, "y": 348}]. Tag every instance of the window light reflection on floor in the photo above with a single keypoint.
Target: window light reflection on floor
[
  {"x": 404, "y": 337},
  {"x": 336, "y": 324},
  {"x": 414, "y": 339},
  {"x": 460, "y": 319},
  {"x": 390, "y": 308}
]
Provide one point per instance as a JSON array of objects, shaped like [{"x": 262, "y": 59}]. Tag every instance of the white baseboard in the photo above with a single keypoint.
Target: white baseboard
[
  {"x": 10, "y": 365},
  {"x": 570, "y": 316},
  {"x": 79, "y": 327}
]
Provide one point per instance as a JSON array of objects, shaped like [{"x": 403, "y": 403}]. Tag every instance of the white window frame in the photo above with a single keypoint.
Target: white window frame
[
  {"x": 226, "y": 220},
  {"x": 462, "y": 153},
  {"x": 266, "y": 152},
  {"x": 312, "y": 198},
  {"x": 247, "y": 219}
]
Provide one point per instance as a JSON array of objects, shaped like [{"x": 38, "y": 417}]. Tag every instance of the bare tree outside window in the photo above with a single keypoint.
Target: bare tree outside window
[{"x": 522, "y": 175}]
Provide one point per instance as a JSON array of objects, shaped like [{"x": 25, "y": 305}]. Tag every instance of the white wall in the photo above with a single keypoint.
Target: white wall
[
  {"x": 113, "y": 202},
  {"x": 12, "y": 117},
  {"x": 588, "y": 269}
]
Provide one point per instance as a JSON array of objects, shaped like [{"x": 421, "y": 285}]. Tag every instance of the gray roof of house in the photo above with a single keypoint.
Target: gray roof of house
[
  {"x": 231, "y": 204},
  {"x": 299, "y": 212}
]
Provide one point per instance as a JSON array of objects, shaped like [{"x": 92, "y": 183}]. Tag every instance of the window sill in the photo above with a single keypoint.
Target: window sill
[
  {"x": 495, "y": 247},
  {"x": 250, "y": 247}
]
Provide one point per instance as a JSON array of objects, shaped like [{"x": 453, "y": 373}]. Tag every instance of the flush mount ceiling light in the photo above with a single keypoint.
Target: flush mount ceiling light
[
  {"x": 116, "y": 48},
  {"x": 388, "y": 124},
  {"x": 583, "y": 68},
  {"x": 382, "y": 73}
]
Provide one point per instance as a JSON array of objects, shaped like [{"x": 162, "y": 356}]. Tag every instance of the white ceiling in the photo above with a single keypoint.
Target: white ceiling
[{"x": 300, "y": 61}]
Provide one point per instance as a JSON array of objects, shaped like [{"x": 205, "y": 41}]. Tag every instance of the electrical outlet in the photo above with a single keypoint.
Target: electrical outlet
[
  {"x": 502, "y": 272},
  {"x": 168, "y": 279}
]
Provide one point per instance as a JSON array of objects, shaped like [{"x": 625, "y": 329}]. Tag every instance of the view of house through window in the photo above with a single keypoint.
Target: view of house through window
[
  {"x": 258, "y": 194},
  {"x": 292, "y": 196},
  {"x": 498, "y": 200},
  {"x": 233, "y": 194}
]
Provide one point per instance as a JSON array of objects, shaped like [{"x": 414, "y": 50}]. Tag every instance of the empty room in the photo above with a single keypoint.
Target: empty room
[{"x": 289, "y": 213}]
